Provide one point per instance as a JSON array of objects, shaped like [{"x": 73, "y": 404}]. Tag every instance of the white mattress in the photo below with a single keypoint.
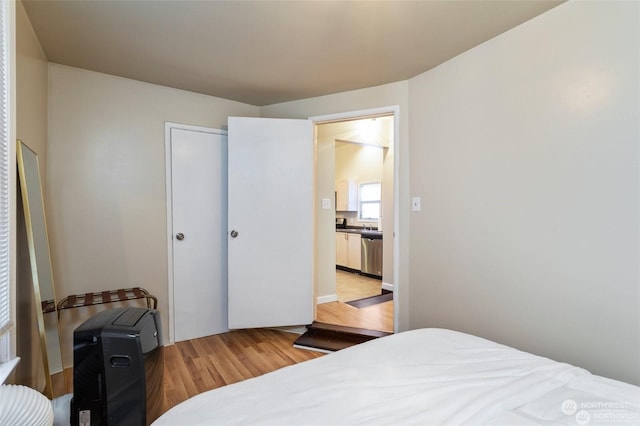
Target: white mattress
[{"x": 419, "y": 377}]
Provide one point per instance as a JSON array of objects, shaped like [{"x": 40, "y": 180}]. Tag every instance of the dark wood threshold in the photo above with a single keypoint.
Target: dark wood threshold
[{"x": 331, "y": 337}]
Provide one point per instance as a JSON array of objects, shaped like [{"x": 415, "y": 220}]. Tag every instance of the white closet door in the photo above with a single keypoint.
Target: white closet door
[{"x": 199, "y": 212}]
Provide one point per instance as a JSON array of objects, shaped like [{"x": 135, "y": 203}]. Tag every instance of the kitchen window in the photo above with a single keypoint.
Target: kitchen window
[{"x": 369, "y": 201}]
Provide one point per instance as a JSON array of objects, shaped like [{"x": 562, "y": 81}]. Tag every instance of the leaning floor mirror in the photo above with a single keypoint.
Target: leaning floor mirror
[{"x": 40, "y": 260}]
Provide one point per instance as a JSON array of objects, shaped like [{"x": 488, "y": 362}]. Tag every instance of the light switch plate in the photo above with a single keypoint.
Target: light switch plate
[
  {"x": 415, "y": 204},
  {"x": 326, "y": 203}
]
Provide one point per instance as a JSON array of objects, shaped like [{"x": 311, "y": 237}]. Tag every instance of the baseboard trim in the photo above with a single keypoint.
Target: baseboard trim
[
  {"x": 326, "y": 299},
  {"x": 387, "y": 286}
]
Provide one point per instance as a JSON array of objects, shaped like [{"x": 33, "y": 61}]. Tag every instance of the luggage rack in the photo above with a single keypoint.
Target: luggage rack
[{"x": 98, "y": 298}]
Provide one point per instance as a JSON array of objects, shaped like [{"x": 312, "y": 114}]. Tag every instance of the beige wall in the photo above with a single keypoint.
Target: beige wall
[
  {"x": 106, "y": 177},
  {"x": 525, "y": 153},
  {"x": 31, "y": 127},
  {"x": 362, "y": 163},
  {"x": 31, "y": 88},
  {"x": 325, "y": 265},
  {"x": 358, "y": 100}
]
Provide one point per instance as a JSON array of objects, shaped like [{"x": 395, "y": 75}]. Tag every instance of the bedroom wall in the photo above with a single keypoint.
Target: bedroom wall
[
  {"x": 525, "y": 153},
  {"x": 357, "y": 100},
  {"x": 31, "y": 88},
  {"x": 31, "y": 127},
  {"x": 106, "y": 177}
]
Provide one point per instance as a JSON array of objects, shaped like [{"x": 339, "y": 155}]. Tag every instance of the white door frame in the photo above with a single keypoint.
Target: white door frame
[
  {"x": 169, "y": 196},
  {"x": 388, "y": 110}
]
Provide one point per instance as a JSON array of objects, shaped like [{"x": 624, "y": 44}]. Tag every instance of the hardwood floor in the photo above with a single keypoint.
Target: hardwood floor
[
  {"x": 375, "y": 317},
  {"x": 198, "y": 365},
  {"x": 195, "y": 366},
  {"x": 350, "y": 286}
]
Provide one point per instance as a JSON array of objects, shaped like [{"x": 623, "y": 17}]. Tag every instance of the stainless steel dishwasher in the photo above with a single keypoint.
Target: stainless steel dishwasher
[{"x": 371, "y": 254}]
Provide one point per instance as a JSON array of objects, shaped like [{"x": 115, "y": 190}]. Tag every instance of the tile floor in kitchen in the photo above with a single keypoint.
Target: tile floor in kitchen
[{"x": 351, "y": 286}]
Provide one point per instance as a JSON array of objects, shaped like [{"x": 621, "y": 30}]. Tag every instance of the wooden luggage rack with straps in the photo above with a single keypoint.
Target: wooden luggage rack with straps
[{"x": 98, "y": 298}]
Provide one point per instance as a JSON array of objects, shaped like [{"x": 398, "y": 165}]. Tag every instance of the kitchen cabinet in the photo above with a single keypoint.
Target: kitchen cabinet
[
  {"x": 348, "y": 250},
  {"x": 346, "y": 196},
  {"x": 354, "y": 244},
  {"x": 342, "y": 250}
]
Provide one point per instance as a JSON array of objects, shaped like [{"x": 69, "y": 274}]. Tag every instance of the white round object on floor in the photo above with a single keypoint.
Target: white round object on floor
[{"x": 21, "y": 405}]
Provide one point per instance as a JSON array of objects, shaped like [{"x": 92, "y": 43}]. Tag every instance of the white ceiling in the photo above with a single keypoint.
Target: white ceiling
[{"x": 265, "y": 52}]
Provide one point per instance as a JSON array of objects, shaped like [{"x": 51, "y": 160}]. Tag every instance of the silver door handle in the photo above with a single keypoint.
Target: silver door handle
[
  {"x": 234, "y": 233},
  {"x": 180, "y": 236}
]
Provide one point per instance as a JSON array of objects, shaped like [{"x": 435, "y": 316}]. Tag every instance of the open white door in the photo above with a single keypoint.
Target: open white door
[{"x": 271, "y": 218}]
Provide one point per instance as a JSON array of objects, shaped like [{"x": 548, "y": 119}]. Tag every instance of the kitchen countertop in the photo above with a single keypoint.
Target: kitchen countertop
[{"x": 364, "y": 232}]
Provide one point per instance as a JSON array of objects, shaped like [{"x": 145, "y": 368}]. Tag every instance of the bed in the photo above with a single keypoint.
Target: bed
[{"x": 418, "y": 377}]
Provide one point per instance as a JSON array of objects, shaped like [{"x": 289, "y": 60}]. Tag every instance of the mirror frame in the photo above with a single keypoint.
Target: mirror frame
[{"x": 28, "y": 210}]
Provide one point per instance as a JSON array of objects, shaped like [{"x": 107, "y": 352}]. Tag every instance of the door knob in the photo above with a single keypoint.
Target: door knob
[
  {"x": 180, "y": 236},
  {"x": 234, "y": 233}
]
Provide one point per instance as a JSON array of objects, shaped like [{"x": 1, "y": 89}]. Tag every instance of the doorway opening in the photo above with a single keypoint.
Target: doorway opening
[{"x": 355, "y": 221}]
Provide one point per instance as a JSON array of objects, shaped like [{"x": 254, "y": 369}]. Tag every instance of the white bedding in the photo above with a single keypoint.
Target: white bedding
[{"x": 419, "y": 377}]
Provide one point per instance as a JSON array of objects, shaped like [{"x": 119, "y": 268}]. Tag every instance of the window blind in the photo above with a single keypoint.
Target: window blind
[{"x": 5, "y": 167}]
